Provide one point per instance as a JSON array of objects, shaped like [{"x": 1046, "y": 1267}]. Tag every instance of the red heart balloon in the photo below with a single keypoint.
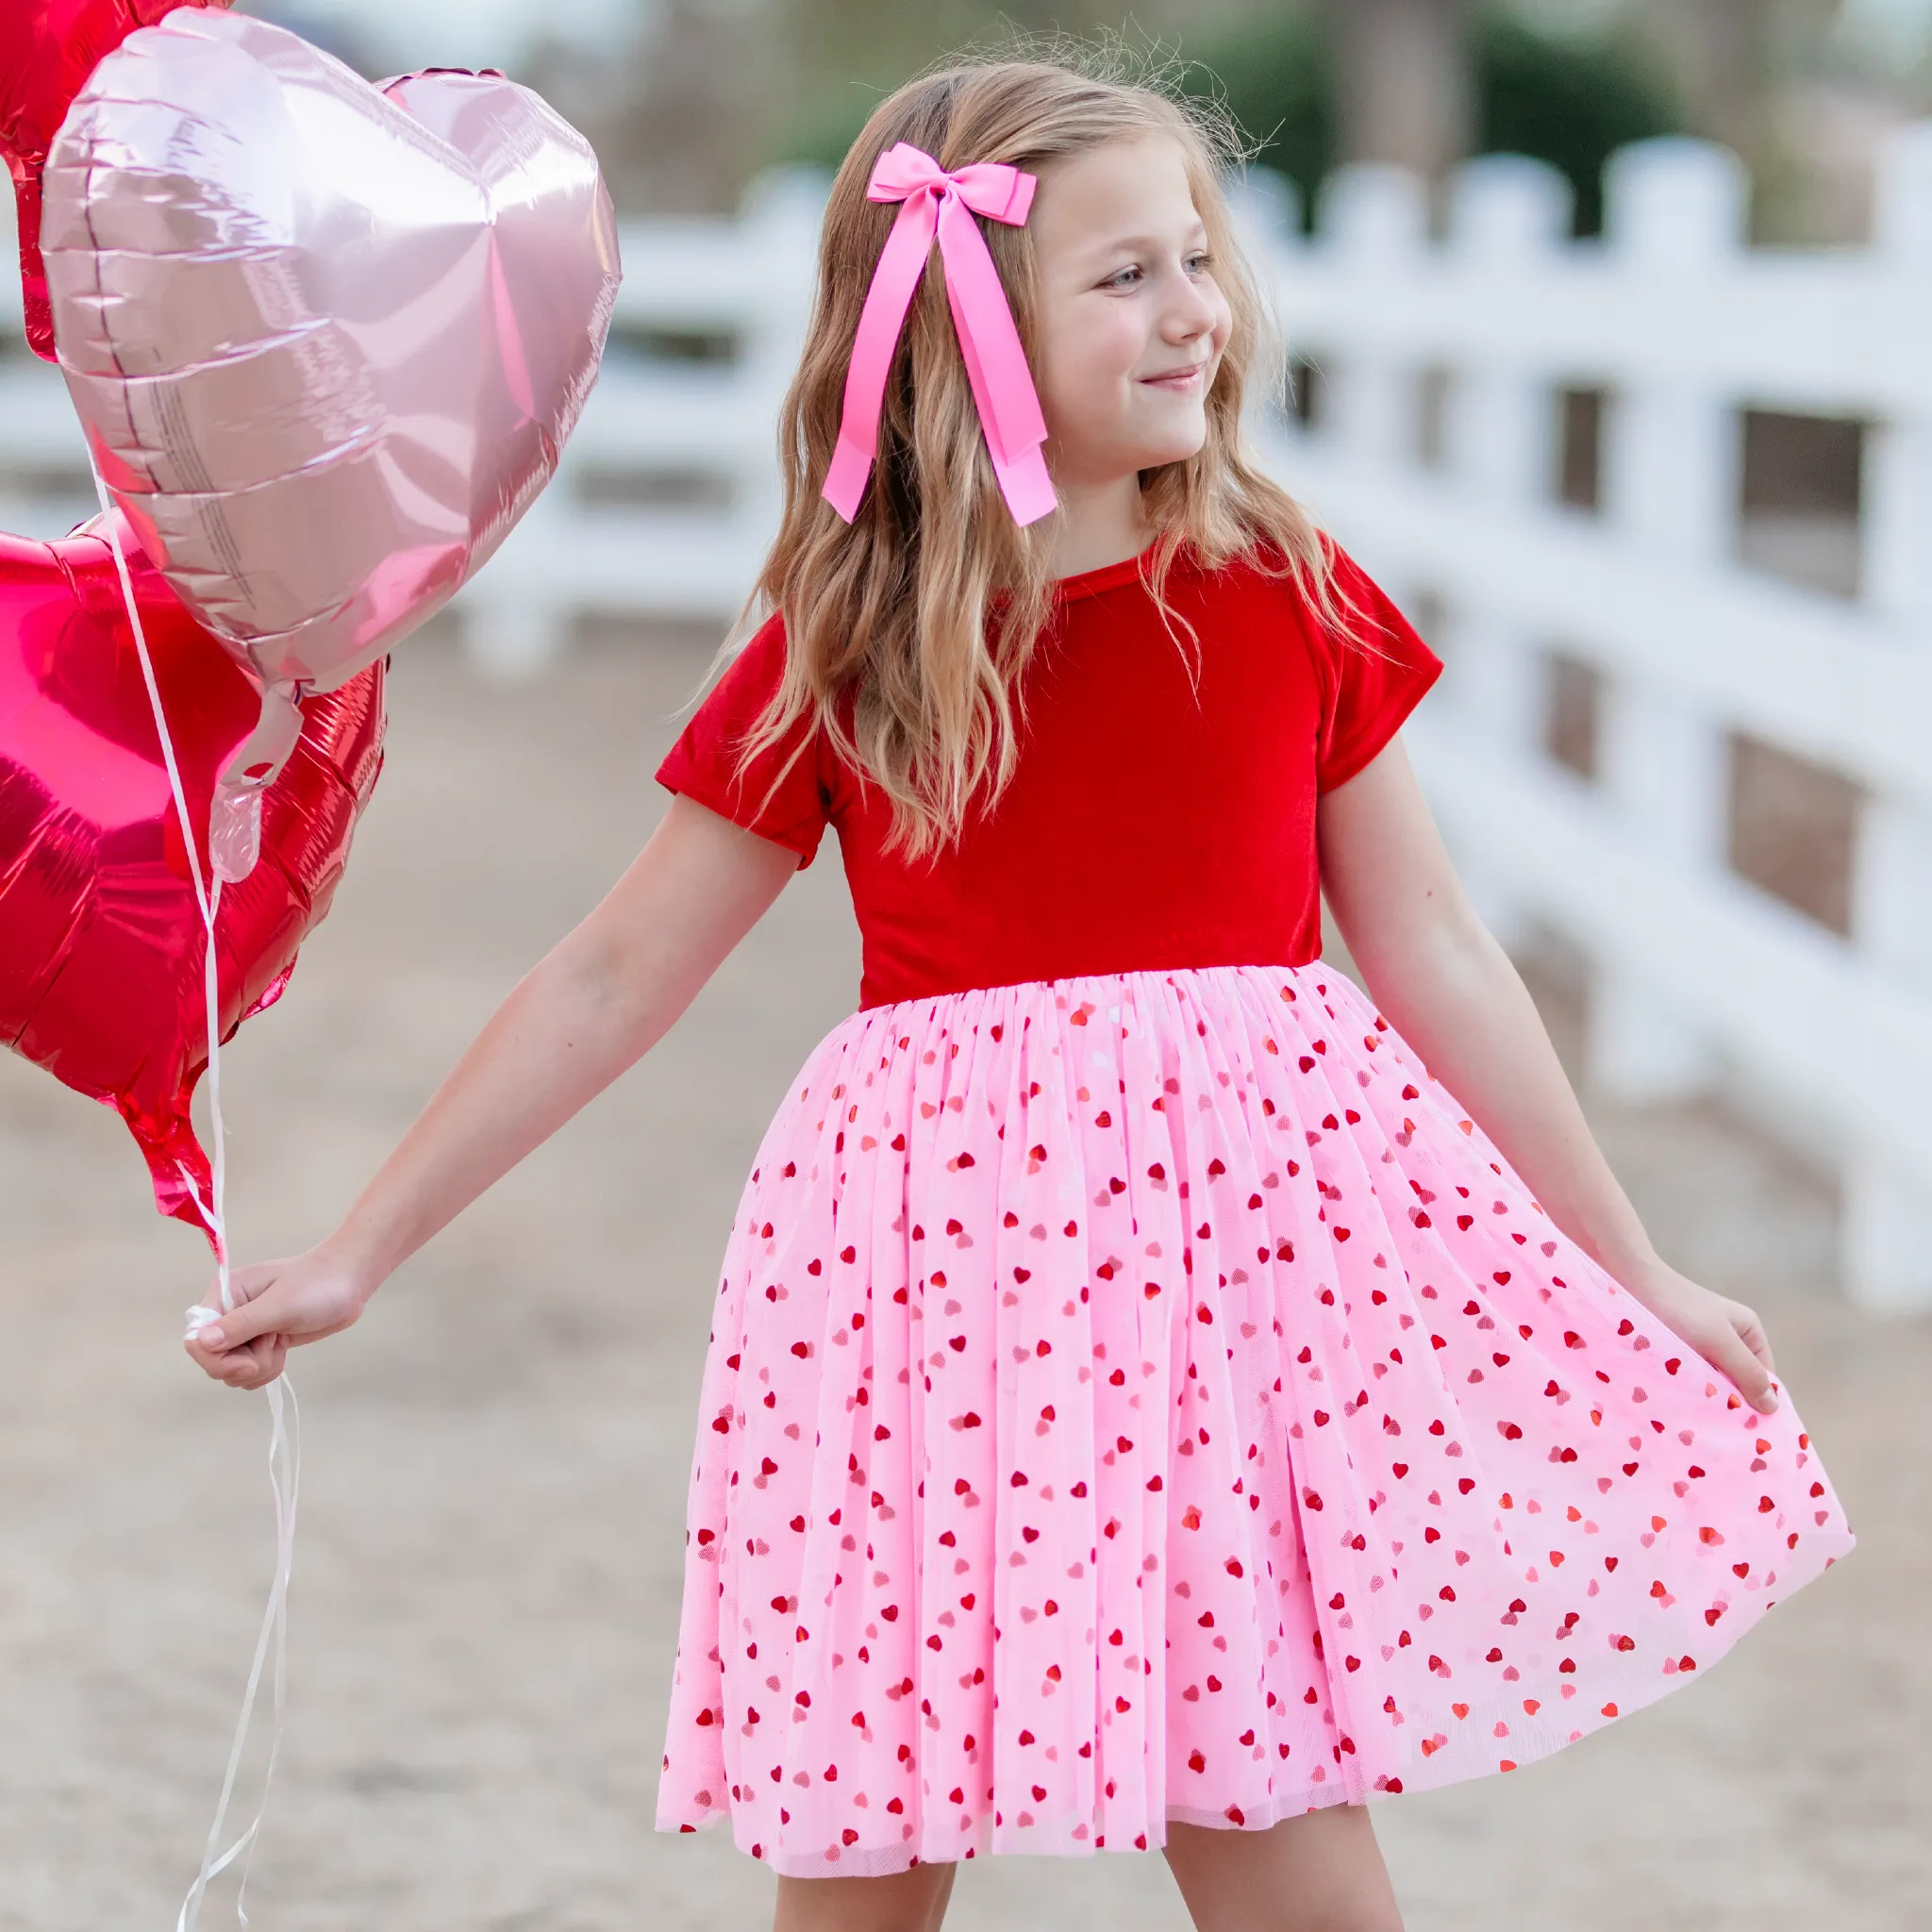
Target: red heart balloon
[
  {"x": 101, "y": 941},
  {"x": 48, "y": 48}
]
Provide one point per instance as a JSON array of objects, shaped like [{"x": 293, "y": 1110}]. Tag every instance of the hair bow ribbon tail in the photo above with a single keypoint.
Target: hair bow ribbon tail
[{"x": 937, "y": 203}]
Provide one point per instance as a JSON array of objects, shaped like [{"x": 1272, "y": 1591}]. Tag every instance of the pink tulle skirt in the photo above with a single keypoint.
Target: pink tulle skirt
[{"x": 1151, "y": 1396}]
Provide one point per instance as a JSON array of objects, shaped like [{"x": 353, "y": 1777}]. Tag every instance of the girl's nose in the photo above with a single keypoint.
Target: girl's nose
[{"x": 1190, "y": 316}]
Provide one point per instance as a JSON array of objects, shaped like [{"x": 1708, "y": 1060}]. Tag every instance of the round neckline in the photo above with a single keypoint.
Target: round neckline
[{"x": 1104, "y": 577}]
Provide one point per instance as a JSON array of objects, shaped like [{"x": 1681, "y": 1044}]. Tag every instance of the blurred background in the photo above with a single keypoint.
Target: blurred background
[
  {"x": 1606, "y": 332},
  {"x": 687, "y": 99}
]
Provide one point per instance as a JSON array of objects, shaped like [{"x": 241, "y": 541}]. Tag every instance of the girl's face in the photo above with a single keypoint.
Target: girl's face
[{"x": 1132, "y": 324}]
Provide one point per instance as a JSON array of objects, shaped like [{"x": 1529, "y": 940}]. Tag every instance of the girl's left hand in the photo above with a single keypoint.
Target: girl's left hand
[
  {"x": 277, "y": 1306},
  {"x": 1725, "y": 1333}
]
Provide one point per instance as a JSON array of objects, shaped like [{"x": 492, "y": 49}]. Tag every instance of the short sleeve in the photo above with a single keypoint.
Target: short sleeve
[
  {"x": 780, "y": 794},
  {"x": 1372, "y": 678}
]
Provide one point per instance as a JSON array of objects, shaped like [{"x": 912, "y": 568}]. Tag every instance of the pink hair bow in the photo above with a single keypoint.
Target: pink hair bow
[{"x": 934, "y": 202}]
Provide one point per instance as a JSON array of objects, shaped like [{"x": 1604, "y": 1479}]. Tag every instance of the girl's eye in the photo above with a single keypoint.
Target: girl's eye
[{"x": 1198, "y": 263}]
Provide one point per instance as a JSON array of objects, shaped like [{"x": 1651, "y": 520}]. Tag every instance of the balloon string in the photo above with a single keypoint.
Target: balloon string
[
  {"x": 272, "y": 1641},
  {"x": 207, "y": 899},
  {"x": 285, "y": 1423}
]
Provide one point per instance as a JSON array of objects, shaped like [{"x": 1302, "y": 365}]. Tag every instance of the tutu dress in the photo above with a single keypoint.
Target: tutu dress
[{"x": 1137, "y": 1389}]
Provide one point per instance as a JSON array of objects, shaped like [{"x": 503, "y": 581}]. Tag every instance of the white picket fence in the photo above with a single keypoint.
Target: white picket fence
[{"x": 1699, "y": 978}]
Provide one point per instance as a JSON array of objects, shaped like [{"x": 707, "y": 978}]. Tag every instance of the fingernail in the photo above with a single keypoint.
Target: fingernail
[
  {"x": 1769, "y": 1400},
  {"x": 208, "y": 1337}
]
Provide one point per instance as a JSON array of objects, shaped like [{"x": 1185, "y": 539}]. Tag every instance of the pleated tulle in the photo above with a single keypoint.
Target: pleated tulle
[{"x": 1150, "y": 1396}]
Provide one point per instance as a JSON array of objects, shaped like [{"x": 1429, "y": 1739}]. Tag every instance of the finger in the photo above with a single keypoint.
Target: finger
[
  {"x": 255, "y": 1366},
  {"x": 1729, "y": 1352},
  {"x": 218, "y": 1361},
  {"x": 211, "y": 1361},
  {"x": 245, "y": 1284},
  {"x": 236, "y": 1366},
  {"x": 238, "y": 1327},
  {"x": 1751, "y": 1331}
]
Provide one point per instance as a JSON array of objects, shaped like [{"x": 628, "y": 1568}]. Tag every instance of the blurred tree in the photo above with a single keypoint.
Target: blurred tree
[
  {"x": 1570, "y": 102},
  {"x": 717, "y": 87},
  {"x": 1719, "y": 51},
  {"x": 1277, "y": 74},
  {"x": 1405, "y": 87},
  {"x": 846, "y": 55},
  {"x": 680, "y": 120},
  {"x": 1564, "y": 99},
  {"x": 1739, "y": 64}
]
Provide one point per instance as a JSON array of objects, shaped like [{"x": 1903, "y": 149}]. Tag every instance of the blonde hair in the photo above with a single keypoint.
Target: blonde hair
[{"x": 925, "y": 609}]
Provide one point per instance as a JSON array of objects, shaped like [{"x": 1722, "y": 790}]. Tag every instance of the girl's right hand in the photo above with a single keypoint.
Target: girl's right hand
[
  {"x": 574, "y": 1023},
  {"x": 279, "y": 1305}
]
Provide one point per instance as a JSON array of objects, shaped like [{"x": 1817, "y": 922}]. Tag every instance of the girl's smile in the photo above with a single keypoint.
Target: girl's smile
[
  {"x": 1132, "y": 323},
  {"x": 1184, "y": 382}
]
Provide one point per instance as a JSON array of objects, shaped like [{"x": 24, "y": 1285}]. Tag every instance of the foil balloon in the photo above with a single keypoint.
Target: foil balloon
[
  {"x": 47, "y": 50},
  {"x": 325, "y": 340},
  {"x": 101, "y": 939}
]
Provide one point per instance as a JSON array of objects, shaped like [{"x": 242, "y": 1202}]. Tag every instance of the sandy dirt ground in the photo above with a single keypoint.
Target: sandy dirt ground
[{"x": 491, "y": 1541}]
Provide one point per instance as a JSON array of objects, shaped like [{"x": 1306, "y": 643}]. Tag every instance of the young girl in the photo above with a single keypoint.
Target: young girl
[{"x": 1154, "y": 1400}]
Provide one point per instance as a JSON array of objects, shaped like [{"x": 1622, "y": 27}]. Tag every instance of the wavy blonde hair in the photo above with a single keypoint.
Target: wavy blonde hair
[{"x": 925, "y": 611}]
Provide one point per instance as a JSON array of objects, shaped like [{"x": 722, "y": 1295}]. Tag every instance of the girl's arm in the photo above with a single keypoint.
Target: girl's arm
[
  {"x": 577, "y": 1021},
  {"x": 1449, "y": 989}
]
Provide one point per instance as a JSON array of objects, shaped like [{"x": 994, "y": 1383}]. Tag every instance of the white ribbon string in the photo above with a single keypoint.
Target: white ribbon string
[
  {"x": 285, "y": 1421},
  {"x": 272, "y": 1641}
]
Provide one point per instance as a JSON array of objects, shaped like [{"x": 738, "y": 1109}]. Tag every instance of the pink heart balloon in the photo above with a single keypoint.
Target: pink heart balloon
[{"x": 325, "y": 340}]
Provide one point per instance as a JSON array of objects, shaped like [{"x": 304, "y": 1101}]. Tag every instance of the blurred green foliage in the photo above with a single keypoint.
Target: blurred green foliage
[
  {"x": 1565, "y": 100},
  {"x": 1276, "y": 75},
  {"x": 1571, "y": 103},
  {"x": 846, "y": 55}
]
